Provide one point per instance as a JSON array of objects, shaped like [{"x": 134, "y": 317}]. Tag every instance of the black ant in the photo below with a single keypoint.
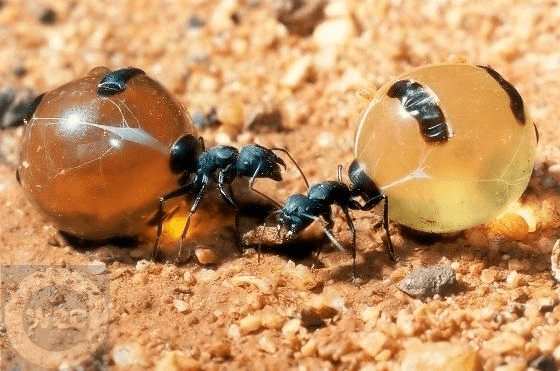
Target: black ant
[
  {"x": 220, "y": 165},
  {"x": 300, "y": 211}
]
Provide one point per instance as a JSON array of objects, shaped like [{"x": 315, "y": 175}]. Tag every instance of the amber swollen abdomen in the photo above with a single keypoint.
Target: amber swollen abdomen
[
  {"x": 95, "y": 154},
  {"x": 451, "y": 145}
]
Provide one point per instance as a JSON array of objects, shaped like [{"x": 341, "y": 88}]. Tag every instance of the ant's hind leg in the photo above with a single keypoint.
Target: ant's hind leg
[
  {"x": 160, "y": 216},
  {"x": 181, "y": 241},
  {"x": 389, "y": 247},
  {"x": 353, "y": 231},
  {"x": 228, "y": 198},
  {"x": 193, "y": 209}
]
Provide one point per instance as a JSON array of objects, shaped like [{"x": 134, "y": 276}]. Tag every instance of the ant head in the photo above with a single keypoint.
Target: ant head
[
  {"x": 184, "y": 154},
  {"x": 360, "y": 183}
]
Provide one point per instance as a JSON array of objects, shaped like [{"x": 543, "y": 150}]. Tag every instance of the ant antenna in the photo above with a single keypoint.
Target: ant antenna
[{"x": 295, "y": 163}]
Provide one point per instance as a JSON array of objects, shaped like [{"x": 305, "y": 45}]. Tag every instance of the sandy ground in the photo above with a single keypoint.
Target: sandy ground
[{"x": 108, "y": 309}]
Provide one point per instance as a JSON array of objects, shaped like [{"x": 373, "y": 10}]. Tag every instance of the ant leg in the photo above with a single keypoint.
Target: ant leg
[
  {"x": 193, "y": 209},
  {"x": 228, "y": 198},
  {"x": 328, "y": 232},
  {"x": 353, "y": 231},
  {"x": 237, "y": 236},
  {"x": 368, "y": 206},
  {"x": 252, "y": 181},
  {"x": 389, "y": 248},
  {"x": 294, "y": 162},
  {"x": 183, "y": 234},
  {"x": 160, "y": 217},
  {"x": 181, "y": 191}
]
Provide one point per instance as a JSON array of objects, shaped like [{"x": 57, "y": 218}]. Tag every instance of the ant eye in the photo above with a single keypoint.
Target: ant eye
[{"x": 184, "y": 154}]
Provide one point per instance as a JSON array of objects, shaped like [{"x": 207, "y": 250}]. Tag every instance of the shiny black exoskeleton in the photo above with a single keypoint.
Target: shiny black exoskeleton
[{"x": 300, "y": 211}]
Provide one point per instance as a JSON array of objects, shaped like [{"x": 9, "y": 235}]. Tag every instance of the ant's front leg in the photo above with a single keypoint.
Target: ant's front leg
[
  {"x": 226, "y": 176},
  {"x": 193, "y": 209}
]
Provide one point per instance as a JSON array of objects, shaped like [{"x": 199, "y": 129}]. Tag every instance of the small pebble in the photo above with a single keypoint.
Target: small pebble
[
  {"x": 302, "y": 277},
  {"x": 250, "y": 324},
  {"x": 233, "y": 332},
  {"x": 326, "y": 306},
  {"x": 47, "y": 16},
  {"x": 221, "y": 18},
  {"x": 441, "y": 356},
  {"x": 488, "y": 276},
  {"x": 300, "y": 17},
  {"x": 554, "y": 170},
  {"x": 297, "y": 72},
  {"x": 97, "y": 267},
  {"x": 373, "y": 342},
  {"x": 510, "y": 226},
  {"x": 326, "y": 139},
  {"x": 177, "y": 361},
  {"x": 273, "y": 320},
  {"x": 369, "y": 314},
  {"x": 267, "y": 345},
  {"x": 142, "y": 265},
  {"x": 220, "y": 349},
  {"x": 189, "y": 278},
  {"x": 181, "y": 306},
  {"x": 309, "y": 349},
  {"x": 291, "y": 327},
  {"x": 223, "y": 138},
  {"x": 515, "y": 280},
  {"x": 207, "y": 275},
  {"x": 556, "y": 354},
  {"x": 265, "y": 122},
  {"x": 208, "y": 120},
  {"x": 261, "y": 284},
  {"x": 426, "y": 282},
  {"x": 547, "y": 304},
  {"x": 334, "y": 32},
  {"x": 505, "y": 342},
  {"x": 547, "y": 342},
  {"x": 129, "y": 354},
  {"x": 195, "y": 21},
  {"x": 206, "y": 256}
]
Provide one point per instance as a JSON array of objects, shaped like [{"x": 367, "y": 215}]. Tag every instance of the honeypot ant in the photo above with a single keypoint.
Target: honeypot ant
[{"x": 299, "y": 210}]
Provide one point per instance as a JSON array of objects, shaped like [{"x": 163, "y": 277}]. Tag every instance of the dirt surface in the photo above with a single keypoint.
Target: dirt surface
[{"x": 69, "y": 306}]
